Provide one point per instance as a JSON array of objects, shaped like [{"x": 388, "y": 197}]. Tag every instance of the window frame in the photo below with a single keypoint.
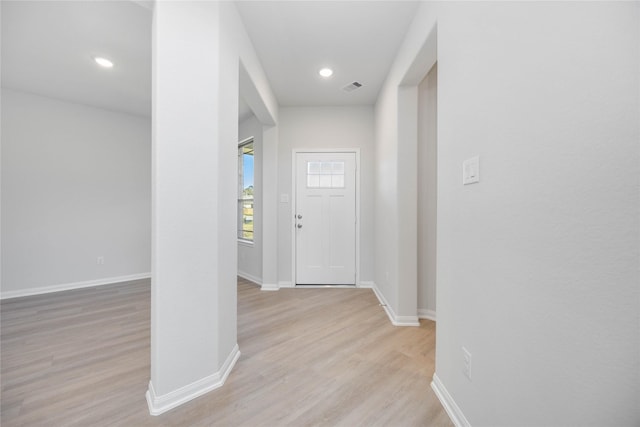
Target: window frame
[{"x": 240, "y": 231}]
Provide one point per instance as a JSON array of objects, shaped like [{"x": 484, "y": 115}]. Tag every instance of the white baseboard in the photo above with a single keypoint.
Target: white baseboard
[
  {"x": 395, "y": 319},
  {"x": 269, "y": 287},
  {"x": 365, "y": 284},
  {"x": 250, "y": 277},
  {"x": 405, "y": 320},
  {"x": 71, "y": 286},
  {"x": 286, "y": 285},
  {"x": 161, "y": 404},
  {"x": 453, "y": 410},
  {"x": 424, "y": 313}
]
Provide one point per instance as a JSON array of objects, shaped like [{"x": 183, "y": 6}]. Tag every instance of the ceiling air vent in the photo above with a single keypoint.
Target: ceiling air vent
[{"x": 352, "y": 86}]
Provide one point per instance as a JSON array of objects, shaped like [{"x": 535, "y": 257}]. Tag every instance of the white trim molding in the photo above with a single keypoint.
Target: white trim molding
[
  {"x": 250, "y": 277},
  {"x": 365, "y": 284},
  {"x": 393, "y": 317},
  {"x": 453, "y": 410},
  {"x": 161, "y": 404},
  {"x": 71, "y": 286},
  {"x": 425, "y": 313},
  {"x": 286, "y": 285},
  {"x": 270, "y": 287}
]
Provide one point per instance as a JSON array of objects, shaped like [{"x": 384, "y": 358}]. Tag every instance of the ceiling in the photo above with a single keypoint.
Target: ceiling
[
  {"x": 357, "y": 39},
  {"x": 48, "y": 48}
]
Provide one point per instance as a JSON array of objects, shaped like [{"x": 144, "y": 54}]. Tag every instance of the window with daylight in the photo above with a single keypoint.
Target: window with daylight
[
  {"x": 245, "y": 191},
  {"x": 325, "y": 174}
]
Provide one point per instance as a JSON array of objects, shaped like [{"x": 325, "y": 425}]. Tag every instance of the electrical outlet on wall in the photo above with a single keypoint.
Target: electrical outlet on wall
[
  {"x": 466, "y": 363},
  {"x": 100, "y": 260}
]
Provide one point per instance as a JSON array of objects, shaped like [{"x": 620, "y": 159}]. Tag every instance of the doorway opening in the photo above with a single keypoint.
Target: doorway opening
[{"x": 427, "y": 193}]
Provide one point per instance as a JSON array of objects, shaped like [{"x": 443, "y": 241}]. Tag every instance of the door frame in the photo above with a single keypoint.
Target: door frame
[{"x": 292, "y": 223}]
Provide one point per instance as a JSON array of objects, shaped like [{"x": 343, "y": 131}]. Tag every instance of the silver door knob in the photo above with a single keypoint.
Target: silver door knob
[
  {"x": 299, "y": 216},
  {"x": 299, "y": 225}
]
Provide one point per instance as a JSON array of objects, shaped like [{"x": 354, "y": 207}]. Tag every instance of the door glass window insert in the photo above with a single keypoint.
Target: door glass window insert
[{"x": 325, "y": 174}]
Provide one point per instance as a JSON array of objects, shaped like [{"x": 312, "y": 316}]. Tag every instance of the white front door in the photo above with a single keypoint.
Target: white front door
[{"x": 325, "y": 218}]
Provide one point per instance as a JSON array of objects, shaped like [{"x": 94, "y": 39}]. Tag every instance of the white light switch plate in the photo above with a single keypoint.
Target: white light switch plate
[
  {"x": 284, "y": 198},
  {"x": 471, "y": 170}
]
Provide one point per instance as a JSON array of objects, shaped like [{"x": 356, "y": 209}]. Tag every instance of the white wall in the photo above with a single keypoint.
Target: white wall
[
  {"x": 250, "y": 254},
  {"x": 194, "y": 204},
  {"x": 326, "y": 127},
  {"x": 427, "y": 192},
  {"x": 76, "y": 185},
  {"x": 538, "y": 264},
  {"x": 386, "y": 194},
  {"x": 191, "y": 160},
  {"x": 1, "y": 214}
]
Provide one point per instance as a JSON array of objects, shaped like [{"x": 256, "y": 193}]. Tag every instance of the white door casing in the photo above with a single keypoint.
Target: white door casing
[{"x": 325, "y": 217}]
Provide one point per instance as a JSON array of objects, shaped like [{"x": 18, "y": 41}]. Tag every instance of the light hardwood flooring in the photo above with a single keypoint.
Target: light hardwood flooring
[{"x": 320, "y": 357}]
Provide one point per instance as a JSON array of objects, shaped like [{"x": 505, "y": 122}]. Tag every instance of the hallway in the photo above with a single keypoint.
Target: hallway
[{"x": 309, "y": 357}]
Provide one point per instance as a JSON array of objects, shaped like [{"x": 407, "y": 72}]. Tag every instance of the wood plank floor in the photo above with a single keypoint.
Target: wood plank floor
[{"x": 324, "y": 357}]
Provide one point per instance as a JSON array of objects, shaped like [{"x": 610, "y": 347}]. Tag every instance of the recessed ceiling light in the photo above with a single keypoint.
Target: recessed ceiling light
[
  {"x": 103, "y": 62},
  {"x": 326, "y": 72}
]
